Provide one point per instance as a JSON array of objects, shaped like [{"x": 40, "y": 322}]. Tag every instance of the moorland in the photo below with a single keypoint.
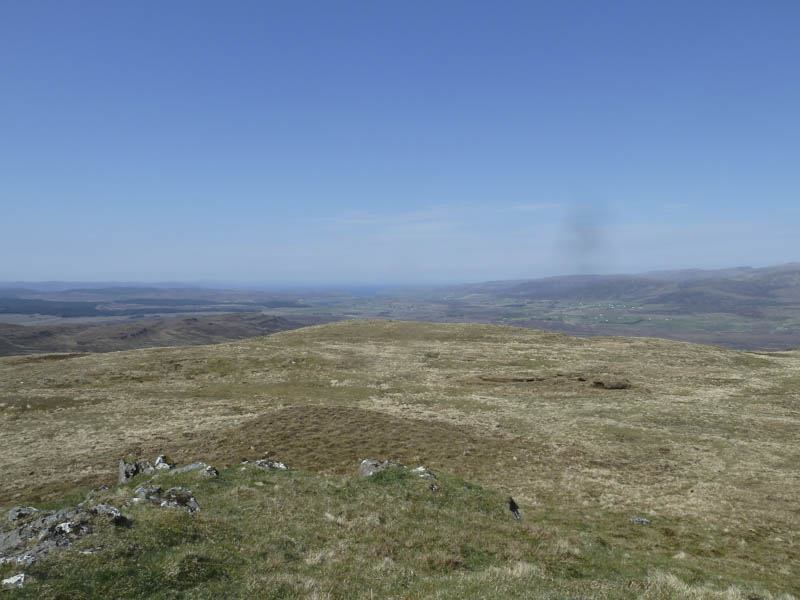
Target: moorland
[{"x": 584, "y": 433}]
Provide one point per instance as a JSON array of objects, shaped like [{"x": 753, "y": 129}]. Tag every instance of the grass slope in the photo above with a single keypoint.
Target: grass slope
[
  {"x": 302, "y": 535},
  {"x": 703, "y": 443}
]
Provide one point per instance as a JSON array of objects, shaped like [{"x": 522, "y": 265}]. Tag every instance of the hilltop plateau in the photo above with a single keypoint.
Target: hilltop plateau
[{"x": 584, "y": 433}]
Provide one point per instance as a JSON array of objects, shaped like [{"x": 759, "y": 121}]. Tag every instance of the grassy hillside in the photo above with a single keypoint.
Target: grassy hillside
[{"x": 700, "y": 440}]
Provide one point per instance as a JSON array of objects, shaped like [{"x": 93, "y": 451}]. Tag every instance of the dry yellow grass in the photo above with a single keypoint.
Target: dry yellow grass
[{"x": 704, "y": 442}]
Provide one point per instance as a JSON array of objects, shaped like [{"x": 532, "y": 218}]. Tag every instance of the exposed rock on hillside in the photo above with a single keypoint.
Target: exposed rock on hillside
[{"x": 29, "y": 535}]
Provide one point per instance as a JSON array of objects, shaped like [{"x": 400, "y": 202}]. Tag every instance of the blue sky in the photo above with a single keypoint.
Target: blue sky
[{"x": 395, "y": 142}]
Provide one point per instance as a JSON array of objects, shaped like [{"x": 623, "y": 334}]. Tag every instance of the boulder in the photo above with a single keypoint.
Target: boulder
[
  {"x": 20, "y": 512},
  {"x": 16, "y": 581},
  {"x": 164, "y": 462},
  {"x": 128, "y": 468}
]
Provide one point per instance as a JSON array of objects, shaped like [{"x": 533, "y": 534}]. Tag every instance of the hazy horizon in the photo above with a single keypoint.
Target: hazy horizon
[
  {"x": 362, "y": 144},
  {"x": 364, "y": 286}
]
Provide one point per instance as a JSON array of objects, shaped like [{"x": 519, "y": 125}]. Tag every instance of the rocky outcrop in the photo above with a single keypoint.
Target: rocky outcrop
[
  {"x": 175, "y": 497},
  {"x": 30, "y": 534},
  {"x": 20, "y": 512},
  {"x": 129, "y": 468}
]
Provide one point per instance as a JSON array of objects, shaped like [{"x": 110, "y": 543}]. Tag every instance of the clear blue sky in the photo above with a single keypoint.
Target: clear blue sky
[{"x": 395, "y": 142}]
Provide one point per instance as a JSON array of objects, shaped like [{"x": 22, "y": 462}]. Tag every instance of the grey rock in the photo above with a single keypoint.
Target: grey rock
[
  {"x": 128, "y": 468},
  {"x": 208, "y": 472},
  {"x": 370, "y": 466},
  {"x": 172, "y": 498},
  {"x": 145, "y": 492},
  {"x": 187, "y": 468},
  {"x": 639, "y": 520},
  {"x": 268, "y": 464},
  {"x": 180, "y": 498},
  {"x": 46, "y": 532},
  {"x": 16, "y": 581},
  {"x": 20, "y": 512},
  {"x": 164, "y": 462},
  {"x": 113, "y": 513},
  {"x": 146, "y": 467}
]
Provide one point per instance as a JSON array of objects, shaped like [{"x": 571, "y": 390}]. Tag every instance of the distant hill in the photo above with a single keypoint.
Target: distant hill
[{"x": 146, "y": 333}]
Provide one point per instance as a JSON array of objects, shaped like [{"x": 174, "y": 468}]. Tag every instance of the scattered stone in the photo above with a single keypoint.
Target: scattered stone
[
  {"x": 164, "y": 462},
  {"x": 129, "y": 467},
  {"x": 20, "y": 512},
  {"x": 208, "y": 472},
  {"x": 370, "y": 466},
  {"x": 639, "y": 520},
  {"x": 265, "y": 463},
  {"x": 423, "y": 472},
  {"x": 173, "y": 498},
  {"x": 180, "y": 498},
  {"x": 146, "y": 492},
  {"x": 17, "y": 581}
]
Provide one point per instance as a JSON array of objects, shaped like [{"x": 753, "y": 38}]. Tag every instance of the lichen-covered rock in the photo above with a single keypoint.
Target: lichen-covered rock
[
  {"x": 146, "y": 492},
  {"x": 20, "y": 512},
  {"x": 164, "y": 462},
  {"x": 46, "y": 532},
  {"x": 16, "y": 581},
  {"x": 180, "y": 498},
  {"x": 173, "y": 498},
  {"x": 128, "y": 469},
  {"x": 208, "y": 472},
  {"x": 111, "y": 511},
  {"x": 370, "y": 466},
  {"x": 266, "y": 463}
]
